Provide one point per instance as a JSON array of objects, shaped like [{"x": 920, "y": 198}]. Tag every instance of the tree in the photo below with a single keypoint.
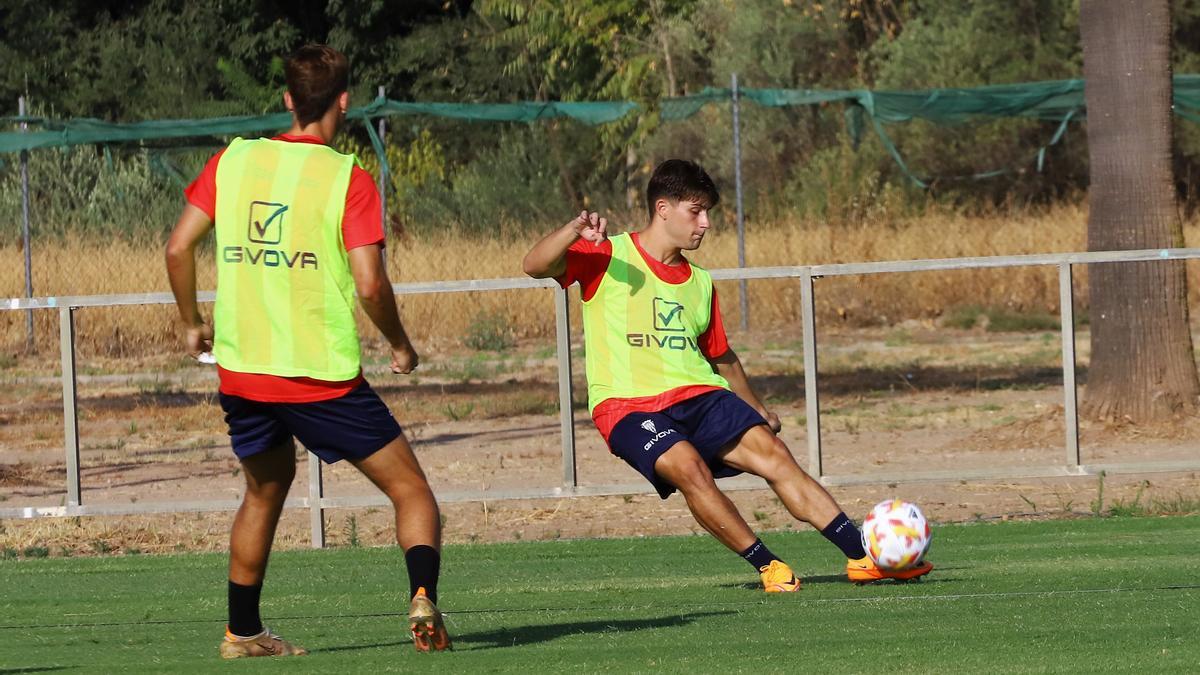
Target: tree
[{"x": 1143, "y": 367}]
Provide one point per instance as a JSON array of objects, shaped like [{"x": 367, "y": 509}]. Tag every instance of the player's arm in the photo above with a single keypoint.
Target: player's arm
[
  {"x": 379, "y": 302},
  {"x": 193, "y": 226},
  {"x": 548, "y": 257},
  {"x": 729, "y": 366}
]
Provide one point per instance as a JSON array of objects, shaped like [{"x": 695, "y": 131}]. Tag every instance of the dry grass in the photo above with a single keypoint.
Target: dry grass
[{"x": 85, "y": 267}]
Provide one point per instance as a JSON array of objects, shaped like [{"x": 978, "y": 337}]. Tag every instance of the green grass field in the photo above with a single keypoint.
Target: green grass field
[{"x": 1062, "y": 596}]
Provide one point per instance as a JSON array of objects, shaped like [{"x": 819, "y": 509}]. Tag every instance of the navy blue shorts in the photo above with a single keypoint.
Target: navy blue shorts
[
  {"x": 353, "y": 426},
  {"x": 709, "y": 421}
]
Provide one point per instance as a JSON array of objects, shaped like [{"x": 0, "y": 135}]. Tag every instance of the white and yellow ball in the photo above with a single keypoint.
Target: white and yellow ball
[{"x": 896, "y": 535}]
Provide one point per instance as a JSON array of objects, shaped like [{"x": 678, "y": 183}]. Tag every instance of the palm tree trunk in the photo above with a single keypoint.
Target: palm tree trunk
[{"x": 1142, "y": 365}]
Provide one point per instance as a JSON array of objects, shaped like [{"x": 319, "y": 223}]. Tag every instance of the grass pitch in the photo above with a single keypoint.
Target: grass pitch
[{"x": 1062, "y": 596}]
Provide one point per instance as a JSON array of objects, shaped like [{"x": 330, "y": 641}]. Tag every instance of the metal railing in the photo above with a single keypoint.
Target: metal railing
[{"x": 317, "y": 502}]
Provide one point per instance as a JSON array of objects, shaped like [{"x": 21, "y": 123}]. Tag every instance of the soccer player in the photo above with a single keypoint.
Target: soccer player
[
  {"x": 665, "y": 390},
  {"x": 298, "y": 234}
]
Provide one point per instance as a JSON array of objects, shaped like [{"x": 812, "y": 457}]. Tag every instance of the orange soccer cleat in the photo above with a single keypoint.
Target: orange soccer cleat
[
  {"x": 425, "y": 621},
  {"x": 778, "y": 578},
  {"x": 265, "y": 643},
  {"x": 864, "y": 571}
]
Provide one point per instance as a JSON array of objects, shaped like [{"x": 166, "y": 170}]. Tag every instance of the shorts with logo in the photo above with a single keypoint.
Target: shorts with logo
[
  {"x": 710, "y": 422},
  {"x": 353, "y": 426}
]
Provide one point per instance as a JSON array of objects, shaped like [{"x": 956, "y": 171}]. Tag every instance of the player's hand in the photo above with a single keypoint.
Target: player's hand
[
  {"x": 404, "y": 360},
  {"x": 590, "y": 226},
  {"x": 199, "y": 340},
  {"x": 773, "y": 422}
]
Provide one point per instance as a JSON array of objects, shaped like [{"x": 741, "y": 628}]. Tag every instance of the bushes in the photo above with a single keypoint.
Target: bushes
[{"x": 105, "y": 193}]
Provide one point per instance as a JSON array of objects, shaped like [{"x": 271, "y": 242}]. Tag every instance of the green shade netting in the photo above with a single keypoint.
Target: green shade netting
[{"x": 1060, "y": 101}]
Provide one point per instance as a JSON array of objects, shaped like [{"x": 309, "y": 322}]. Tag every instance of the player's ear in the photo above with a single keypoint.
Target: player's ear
[
  {"x": 287, "y": 101},
  {"x": 661, "y": 206},
  {"x": 343, "y": 102}
]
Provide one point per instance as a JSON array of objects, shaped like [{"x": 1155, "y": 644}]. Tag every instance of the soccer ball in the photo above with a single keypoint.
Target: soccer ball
[{"x": 896, "y": 535}]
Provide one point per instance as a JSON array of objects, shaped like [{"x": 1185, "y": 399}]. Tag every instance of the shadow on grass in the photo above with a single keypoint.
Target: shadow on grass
[
  {"x": 791, "y": 386},
  {"x": 806, "y": 580},
  {"x": 526, "y": 635}
]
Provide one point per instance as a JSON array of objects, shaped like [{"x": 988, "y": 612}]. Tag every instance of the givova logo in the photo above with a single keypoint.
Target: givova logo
[
  {"x": 266, "y": 222},
  {"x": 265, "y": 226},
  {"x": 668, "y": 315},
  {"x": 668, "y": 318},
  {"x": 648, "y": 425}
]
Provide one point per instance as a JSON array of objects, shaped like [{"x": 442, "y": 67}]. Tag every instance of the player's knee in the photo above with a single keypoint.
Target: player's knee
[
  {"x": 272, "y": 492},
  {"x": 692, "y": 476},
  {"x": 773, "y": 459},
  {"x": 406, "y": 490}
]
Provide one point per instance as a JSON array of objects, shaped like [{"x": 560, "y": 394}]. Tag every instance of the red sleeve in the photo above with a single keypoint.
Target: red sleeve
[
  {"x": 362, "y": 222},
  {"x": 586, "y": 263},
  {"x": 202, "y": 193},
  {"x": 713, "y": 342}
]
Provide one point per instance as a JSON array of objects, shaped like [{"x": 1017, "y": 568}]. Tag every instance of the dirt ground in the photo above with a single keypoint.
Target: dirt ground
[{"x": 902, "y": 399}]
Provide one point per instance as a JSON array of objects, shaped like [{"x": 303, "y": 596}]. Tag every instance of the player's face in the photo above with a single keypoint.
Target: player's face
[{"x": 687, "y": 222}]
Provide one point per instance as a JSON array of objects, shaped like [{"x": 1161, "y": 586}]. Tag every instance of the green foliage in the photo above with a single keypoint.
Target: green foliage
[
  {"x": 259, "y": 98},
  {"x": 155, "y": 59},
  {"x": 36, "y": 552},
  {"x": 99, "y": 191},
  {"x": 959, "y": 43},
  {"x": 1000, "y": 319},
  {"x": 489, "y": 331}
]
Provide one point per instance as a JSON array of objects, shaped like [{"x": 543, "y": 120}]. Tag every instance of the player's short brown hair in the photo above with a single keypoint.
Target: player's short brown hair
[
  {"x": 316, "y": 75},
  {"x": 680, "y": 179}
]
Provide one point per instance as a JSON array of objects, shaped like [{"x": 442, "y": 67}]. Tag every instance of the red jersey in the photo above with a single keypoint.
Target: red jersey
[
  {"x": 586, "y": 263},
  {"x": 362, "y": 225}
]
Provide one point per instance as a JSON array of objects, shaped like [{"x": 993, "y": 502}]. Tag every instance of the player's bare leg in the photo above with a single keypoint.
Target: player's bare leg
[
  {"x": 764, "y": 454},
  {"x": 269, "y": 476},
  {"x": 394, "y": 470},
  {"x": 684, "y": 468}
]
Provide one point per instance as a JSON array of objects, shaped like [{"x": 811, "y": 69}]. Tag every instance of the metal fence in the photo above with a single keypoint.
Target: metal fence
[{"x": 807, "y": 275}]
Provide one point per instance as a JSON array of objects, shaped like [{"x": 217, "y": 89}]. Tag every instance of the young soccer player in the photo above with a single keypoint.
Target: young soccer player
[
  {"x": 298, "y": 234},
  {"x": 664, "y": 388}
]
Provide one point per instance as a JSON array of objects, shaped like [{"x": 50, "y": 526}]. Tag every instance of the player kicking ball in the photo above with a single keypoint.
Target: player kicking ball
[{"x": 665, "y": 390}]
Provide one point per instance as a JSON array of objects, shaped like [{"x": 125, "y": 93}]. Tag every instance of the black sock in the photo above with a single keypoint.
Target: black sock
[
  {"x": 424, "y": 564},
  {"x": 244, "y": 620},
  {"x": 759, "y": 555},
  {"x": 845, "y": 535}
]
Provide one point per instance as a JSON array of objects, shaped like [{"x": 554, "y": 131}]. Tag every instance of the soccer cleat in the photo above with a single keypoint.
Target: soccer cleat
[
  {"x": 425, "y": 621},
  {"x": 265, "y": 643},
  {"x": 864, "y": 571},
  {"x": 778, "y": 578}
]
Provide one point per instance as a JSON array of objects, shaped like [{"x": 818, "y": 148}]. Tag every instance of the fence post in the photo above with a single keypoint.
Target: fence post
[
  {"x": 316, "y": 491},
  {"x": 811, "y": 402},
  {"x": 30, "y": 343},
  {"x": 383, "y": 178},
  {"x": 566, "y": 412},
  {"x": 743, "y": 302},
  {"x": 1066, "y": 302},
  {"x": 66, "y": 334}
]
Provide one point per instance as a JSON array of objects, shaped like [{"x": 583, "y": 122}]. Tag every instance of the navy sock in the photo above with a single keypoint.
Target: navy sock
[
  {"x": 845, "y": 535},
  {"x": 424, "y": 564},
  {"x": 244, "y": 620},
  {"x": 759, "y": 555}
]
